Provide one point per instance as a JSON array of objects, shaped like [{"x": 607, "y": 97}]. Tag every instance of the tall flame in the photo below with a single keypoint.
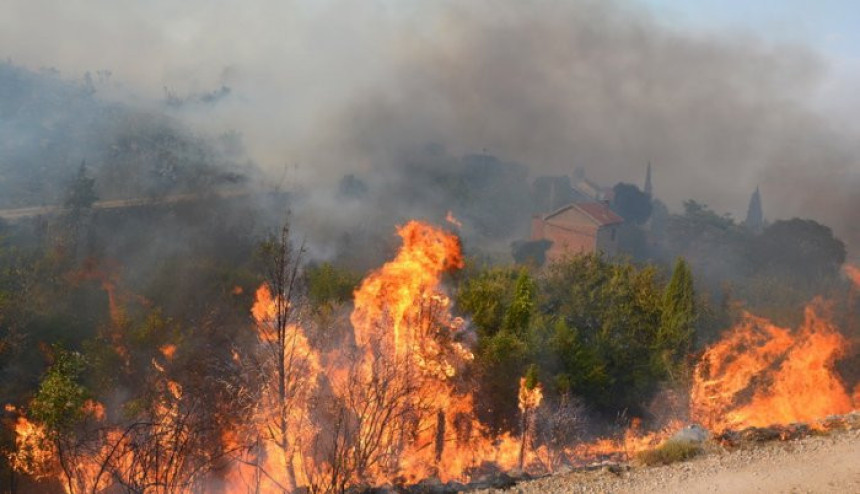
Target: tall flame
[
  {"x": 761, "y": 374},
  {"x": 393, "y": 293}
]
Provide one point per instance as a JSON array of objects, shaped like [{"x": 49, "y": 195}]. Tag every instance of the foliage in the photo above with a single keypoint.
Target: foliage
[
  {"x": 59, "y": 401},
  {"x": 677, "y": 319},
  {"x": 532, "y": 253},
  {"x": 329, "y": 285},
  {"x": 485, "y": 296},
  {"x": 631, "y": 203},
  {"x": 589, "y": 327},
  {"x": 804, "y": 250},
  {"x": 519, "y": 313}
]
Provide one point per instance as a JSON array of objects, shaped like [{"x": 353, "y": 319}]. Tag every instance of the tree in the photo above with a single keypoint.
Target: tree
[
  {"x": 804, "y": 250},
  {"x": 81, "y": 193},
  {"x": 329, "y": 285},
  {"x": 611, "y": 314},
  {"x": 60, "y": 410},
  {"x": 519, "y": 313},
  {"x": 79, "y": 203},
  {"x": 530, "y": 252},
  {"x": 485, "y": 297},
  {"x": 677, "y": 319},
  {"x": 287, "y": 364},
  {"x": 631, "y": 203}
]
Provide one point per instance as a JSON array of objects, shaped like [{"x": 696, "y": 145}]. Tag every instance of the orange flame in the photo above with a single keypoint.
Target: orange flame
[
  {"x": 853, "y": 273},
  {"x": 529, "y": 398},
  {"x": 34, "y": 454},
  {"x": 761, "y": 374},
  {"x": 168, "y": 350},
  {"x": 394, "y": 293}
]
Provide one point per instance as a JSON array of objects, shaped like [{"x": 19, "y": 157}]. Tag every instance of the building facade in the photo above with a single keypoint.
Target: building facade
[{"x": 578, "y": 228}]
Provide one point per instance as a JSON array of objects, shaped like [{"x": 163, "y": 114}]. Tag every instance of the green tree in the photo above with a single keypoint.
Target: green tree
[
  {"x": 60, "y": 406},
  {"x": 485, "y": 296},
  {"x": 519, "y": 313},
  {"x": 803, "y": 250},
  {"x": 677, "y": 320},
  {"x": 329, "y": 285},
  {"x": 615, "y": 310},
  {"x": 59, "y": 402}
]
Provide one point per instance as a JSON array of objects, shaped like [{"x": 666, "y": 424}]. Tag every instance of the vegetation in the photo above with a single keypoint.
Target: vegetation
[
  {"x": 147, "y": 307},
  {"x": 605, "y": 331}
]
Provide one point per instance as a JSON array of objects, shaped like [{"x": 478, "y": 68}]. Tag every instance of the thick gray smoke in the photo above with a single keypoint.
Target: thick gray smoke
[{"x": 327, "y": 88}]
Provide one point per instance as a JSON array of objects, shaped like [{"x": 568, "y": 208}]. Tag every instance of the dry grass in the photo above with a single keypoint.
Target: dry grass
[{"x": 669, "y": 452}]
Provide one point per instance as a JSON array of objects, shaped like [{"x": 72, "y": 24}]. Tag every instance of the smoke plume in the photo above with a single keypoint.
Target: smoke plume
[{"x": 320, "y": 89}]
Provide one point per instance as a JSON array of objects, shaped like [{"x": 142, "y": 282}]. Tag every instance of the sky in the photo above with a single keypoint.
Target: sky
[{"x": 830, "y": 25}]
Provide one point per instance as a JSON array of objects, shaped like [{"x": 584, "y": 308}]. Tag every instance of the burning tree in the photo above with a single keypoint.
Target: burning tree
[
  {"x": 530, "y": 396},
  {"x": 59, "y": 437},
  {"x": 286, "y": 365}
]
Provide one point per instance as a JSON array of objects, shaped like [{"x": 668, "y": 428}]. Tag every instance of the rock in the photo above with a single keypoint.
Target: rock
[{"x": 691, "y": 434}]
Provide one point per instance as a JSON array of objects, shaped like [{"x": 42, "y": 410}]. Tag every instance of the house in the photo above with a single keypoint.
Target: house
[{"x": 583, "y": 227}]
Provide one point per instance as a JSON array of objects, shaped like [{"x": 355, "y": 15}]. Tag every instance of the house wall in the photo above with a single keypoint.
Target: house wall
[
  {"x": 537, "y": 228},
  {"x": 566, "y": 241},
  {"x": 607, "y": 239},
  {"x": 572, "y": 232}
]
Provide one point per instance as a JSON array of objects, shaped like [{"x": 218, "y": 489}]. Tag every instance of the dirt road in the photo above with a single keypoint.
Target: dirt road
[
  {"x": 29, "y": 212},
  {"x": 828, "y": 464}
]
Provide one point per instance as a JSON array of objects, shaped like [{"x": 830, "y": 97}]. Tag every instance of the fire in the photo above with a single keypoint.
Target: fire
[
  {"x": 761, "y": 374},
  {"x": 403, "y": 319},
  {"x": 34, "y": 454},
  {"x": 392, "y": 405},
  {"x": 529, "y": 398},
  {"x": 393, "y": 295},
  {"x": 168, "y": 350},
  {"x": 853, "y": 273}
]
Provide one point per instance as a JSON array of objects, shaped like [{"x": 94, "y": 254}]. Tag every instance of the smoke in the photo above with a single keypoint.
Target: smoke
[{"x": 319, "y": 89}]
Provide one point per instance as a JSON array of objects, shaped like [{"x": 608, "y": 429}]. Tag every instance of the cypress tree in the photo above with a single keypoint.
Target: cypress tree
[{"x": 677, "y": 319}]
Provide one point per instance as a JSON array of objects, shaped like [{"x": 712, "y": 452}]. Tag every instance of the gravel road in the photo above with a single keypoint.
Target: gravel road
[{"x": 819, "y": 464}]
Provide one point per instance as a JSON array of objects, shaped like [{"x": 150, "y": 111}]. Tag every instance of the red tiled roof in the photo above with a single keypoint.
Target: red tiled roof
[{"x": 598, "y": 212}]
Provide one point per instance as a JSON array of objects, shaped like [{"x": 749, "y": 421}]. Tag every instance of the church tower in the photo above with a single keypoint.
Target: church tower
[{"x": 755, "y": 216}]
